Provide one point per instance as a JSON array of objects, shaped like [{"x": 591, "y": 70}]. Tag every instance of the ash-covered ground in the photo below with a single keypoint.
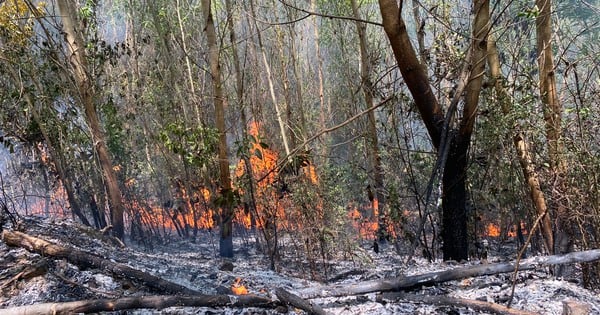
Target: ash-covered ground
[{"x": 197, "y": 266}]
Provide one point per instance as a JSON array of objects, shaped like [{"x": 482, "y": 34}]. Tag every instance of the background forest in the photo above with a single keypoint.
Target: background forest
[{"x": 301, "y": 124}]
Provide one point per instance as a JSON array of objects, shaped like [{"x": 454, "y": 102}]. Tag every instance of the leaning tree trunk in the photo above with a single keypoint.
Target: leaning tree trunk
[
  {"x": 78, "y": 60},
  {"x": 226, "y": 224}
]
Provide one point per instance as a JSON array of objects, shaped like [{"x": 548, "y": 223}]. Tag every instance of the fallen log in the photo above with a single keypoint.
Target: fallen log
[
  {"x": 298, "y": 302},
  {"x": 149, "y": 302},
  {"x": 88, "y": 260},
  {"x": 407, "y": 283},
  {"x": 476, "y": 305}
]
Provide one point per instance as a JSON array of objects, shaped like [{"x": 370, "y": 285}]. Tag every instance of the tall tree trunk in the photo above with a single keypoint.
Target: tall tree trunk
[
  {"x": 552, "y": 116},
  {"x": 552, "y": 107},
  {"x": 323, "y": 111},
  {"x": 525, "y": 160},
  {"x": 239, "y": 88},
  {"x": 269, "y": 75},
  {"x": 454, "y": 218},
  {"x": 226, "y": 225},
  {"x": 77, "y": 58},
  {"x": 372, "y": 141}
]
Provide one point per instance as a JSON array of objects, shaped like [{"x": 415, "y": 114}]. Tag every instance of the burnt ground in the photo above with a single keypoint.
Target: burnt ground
[{"x": 196, "y": 266}]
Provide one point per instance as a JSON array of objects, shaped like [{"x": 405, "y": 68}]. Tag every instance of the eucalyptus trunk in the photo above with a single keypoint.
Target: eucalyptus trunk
[
  {"x": 226, "y": 222},
  {"x": 372, "y": 141},
  {"x": 86, "y": 91}
]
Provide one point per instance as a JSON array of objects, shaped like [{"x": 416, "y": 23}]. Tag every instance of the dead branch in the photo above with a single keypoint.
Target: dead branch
[
  {"x": 417, "y": 281},
  {"x": 482, "y": 306},
  {"x": 151, "y": 302},
  {"x": 296, "y": 301},
  {"x": 88, "y": 260},
  {"x": 31, "y": 271}
]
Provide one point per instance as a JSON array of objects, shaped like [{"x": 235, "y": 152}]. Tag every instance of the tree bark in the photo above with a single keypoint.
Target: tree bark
[
  {"x": 417, "y": 281},
  {"x": 454, "y": 220},
  {"x": 537, "y": 196},
  {"x": 78, "y": 60},
  {"x": 226, "y": 224},
  {"x": 525, "y": 160},
  {"x": 129, "y": 303},
  {"x": 413, "y": 72},
  {"x": 372, "y": 140},
  {"x": 552, "y": 107},
  {"x": 87, "y": 260}
]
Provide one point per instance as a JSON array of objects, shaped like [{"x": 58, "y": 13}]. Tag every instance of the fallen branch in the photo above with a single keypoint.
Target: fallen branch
[
  {"x": 476, "y": 305},
  {"x": 87, "y": 260},
  {"x": 296, "y": 301},
  {"x": 417, "y": 281},
  {"x": 150, "y": 302},
  {"x": 31, "y": 271}
]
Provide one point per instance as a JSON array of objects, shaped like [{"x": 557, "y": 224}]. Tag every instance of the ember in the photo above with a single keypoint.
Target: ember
[{"x": 238, "y": 288}]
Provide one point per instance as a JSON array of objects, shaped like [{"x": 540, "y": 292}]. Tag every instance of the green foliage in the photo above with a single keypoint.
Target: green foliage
[
  {"x": 196, "y": 146},
  {"x": 113, "y": 125}
]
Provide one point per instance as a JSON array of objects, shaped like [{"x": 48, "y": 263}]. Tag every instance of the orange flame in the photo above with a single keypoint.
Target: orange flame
[
  {"x": 238, "y": 288},
  {"x": 492, "y": 230}
]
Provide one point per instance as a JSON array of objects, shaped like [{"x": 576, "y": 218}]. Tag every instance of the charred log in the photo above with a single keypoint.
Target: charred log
[
  {"x": 152, "y": 302},
  {"x": 298, "y": 302},
  {"x": 416, "y": 281},
  {"x": 88, "y": 260},
  {"x": 476, "y": 305}
]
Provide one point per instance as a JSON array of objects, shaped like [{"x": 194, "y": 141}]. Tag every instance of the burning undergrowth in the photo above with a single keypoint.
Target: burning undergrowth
[{"x": 195, "y": 265}]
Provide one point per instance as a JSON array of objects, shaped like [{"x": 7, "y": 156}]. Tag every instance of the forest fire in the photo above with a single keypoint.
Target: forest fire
[{"x": 279, "y": 198}]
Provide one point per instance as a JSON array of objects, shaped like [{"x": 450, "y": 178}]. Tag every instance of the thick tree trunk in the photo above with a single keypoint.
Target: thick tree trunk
[
  {"x": 226, "y": 224},
  {"x": 455, "y": 237},
  {"x": 413, "y": 72},
  {"x": 85, "y": 88},
  {"x": 454, "y": 221}
]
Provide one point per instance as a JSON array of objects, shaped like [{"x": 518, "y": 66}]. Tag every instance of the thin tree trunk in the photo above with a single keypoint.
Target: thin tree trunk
[
  {"x": 226, "y": 241},
  {"x": 372, "y": 141},
  {"x": 323, "y": 112},
  {"x": 278, "y": 111},
  {"x": 239, "y": 88},
  {"x": 537, "y": 196},
  {"x": 86, "y": 89},
  {"x": 525, "y": 160},
  {"x": 188, "y": 63},
  {"x": 552, "y": 107}
]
